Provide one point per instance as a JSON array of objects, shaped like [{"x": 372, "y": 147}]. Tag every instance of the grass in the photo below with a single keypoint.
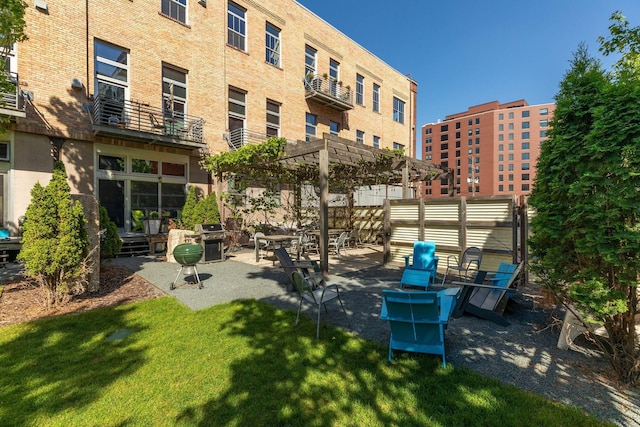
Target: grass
[{"x": 239, "y": 364}]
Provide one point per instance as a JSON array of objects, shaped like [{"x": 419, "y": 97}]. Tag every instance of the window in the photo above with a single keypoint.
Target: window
[
  {"x": 525, "y": 166},
  {"x": 4, "y": 154},
  {"x": 501, "y": 116},
  {"x": 457, "y": 153},
  {"x": 511, "y": 115},
  {"x": 112, "y": 71},
  {"x": 500, "y": 178},
  {"x": 510, "y": 156},
  {"x": 360, "y": 136},
  {"x": 500, "y": 147},
  {"x": 510, "y": 137},
  {"x": 525, "y": 156},
  {"x": 272, "y": 51},
  {"x": 458, "y": 125},
  {"x": 500, "y": 187},
  {"x": 477, "y": 141},
  {"x": 444, "y": 137},
  {"x": 525, "y": 113},
  {"x": 457, "y": 144},
  {"x": 525, "y": 125},
  {"x": 477, "y": 120},
  {"x": 510, "y": 187},
  {"x": 470, "y": 122},
  {"x": 525, "y": 145},
  {"x": 444, "y": 146},
  {"x": 500, "y": 167},
  {"x": 310, "y": 128},
  {"x": 470, "y": 141},
  {"x": 525, "y": 187},
  {"x": 457, "y": 135},
  {"x": 510, "y": 177},
  {"x": 376, "y": 141},
  {"x": 510, "y": 147},
  {"x": 237, "y": 116},
  {"x": 444, "y": 128},
  {"x": 398, "y": 110},
  {"x": 544, "y": 123},
  {"x": 398, "y": 146},
  {"x": 500, "y": 127},
  {"x": 359, "y": 89},
  {"x": 543, "y": 134},
  {"x": 500, "y": 137},
  {"x": 334, "y": 76},
  {"x": 273, "y": 118},
  {"x": 544, "y": 111},
  {"x": 376, "y": 98},
  {"x": 112, "y": 82},
  {"x": 176, "y": 9},
  {"x": 174, "y": 95},
  {"x": 525, "y": 135},
  {"x": 236, "y": 26},
  {"x": 501, "y": 157},
  {"x": 510, "y": 126},
  {"x": 510, "y": 166},
  {"x": 477, "y": 131},
  {"x": 525, "y": 177},
  {"x": 334, "y": 128},
  {"x": 470, "y": 132},
  {"x": 310, "y": 60}
]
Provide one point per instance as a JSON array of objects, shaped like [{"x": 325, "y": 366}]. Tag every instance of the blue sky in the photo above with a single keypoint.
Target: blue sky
[{"x": 467, "y": 52}]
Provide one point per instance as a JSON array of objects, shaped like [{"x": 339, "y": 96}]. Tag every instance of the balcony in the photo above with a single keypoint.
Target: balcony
[
  {"x": 12, "y": 103},
  {"x": 241, "y": 136},
  {"x": 138, "y": 121},
  {"x": 327, "y": 92}
]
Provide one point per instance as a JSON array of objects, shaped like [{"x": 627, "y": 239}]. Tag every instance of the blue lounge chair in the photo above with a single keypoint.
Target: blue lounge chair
[
  {"x": 418, "y": 320},
  {"x": 422, "y": 271}
]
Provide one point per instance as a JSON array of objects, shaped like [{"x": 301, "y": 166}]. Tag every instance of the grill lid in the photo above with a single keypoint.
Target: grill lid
[{"x": 208, "y": 228}]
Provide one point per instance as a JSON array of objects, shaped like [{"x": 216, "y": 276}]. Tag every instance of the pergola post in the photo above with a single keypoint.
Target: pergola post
[{"x": 323, "y": 181}]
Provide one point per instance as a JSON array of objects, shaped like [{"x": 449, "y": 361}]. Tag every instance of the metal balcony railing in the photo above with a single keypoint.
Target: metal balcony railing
[
  {"x": 239, "y": 137},
  {"x": 328, "y": 92},
  {"x": 138, "y": 119},
  {"x": 12, "y": 100}
]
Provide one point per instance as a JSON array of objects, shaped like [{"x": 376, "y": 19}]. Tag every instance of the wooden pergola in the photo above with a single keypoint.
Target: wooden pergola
[{"x": 332, "y": 151}]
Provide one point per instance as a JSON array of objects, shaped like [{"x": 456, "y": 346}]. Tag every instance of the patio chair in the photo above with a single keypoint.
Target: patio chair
[
  {"x": 354, "y": 239},
  {"x": 418, "y": 320},
  {"x": 318, "y": 297},
  {"x": 488, "y": 301},
  {"x": 262, "y": 245},
  {"x": 468, "y": 264},
  {"x": 339, "y": 243},
  {"x": 308, "y": 268},
  {"x": 422, "y": 272}
]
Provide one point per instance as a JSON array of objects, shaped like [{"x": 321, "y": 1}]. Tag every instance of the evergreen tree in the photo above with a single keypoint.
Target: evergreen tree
[
  {"x": 110, "y": 242},
  {"x": 54, "y": 241},
  {"x": 206, "y": 211},
  {"x": 586, "y": 233},
  {"x": 188, "y": 210}
]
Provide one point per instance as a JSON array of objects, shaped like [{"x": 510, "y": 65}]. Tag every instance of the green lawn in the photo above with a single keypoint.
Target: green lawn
[{"x": 238, "y": 364}]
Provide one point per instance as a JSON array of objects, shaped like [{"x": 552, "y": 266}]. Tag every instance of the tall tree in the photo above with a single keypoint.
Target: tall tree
[{"x": 586, "y": 233}]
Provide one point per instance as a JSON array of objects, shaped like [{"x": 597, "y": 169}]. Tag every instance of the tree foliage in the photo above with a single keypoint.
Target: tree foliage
[
  {"x": 206, "y": 211},
  {"x": 110, "y": 242},
  {"x": 586, "y": 233},
  {"x": 187, "y": 219},
  {"x": 54, "y": 241}
]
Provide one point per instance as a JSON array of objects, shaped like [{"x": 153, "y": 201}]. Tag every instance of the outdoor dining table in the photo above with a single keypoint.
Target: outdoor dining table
[{"x": 275, "y": 238}]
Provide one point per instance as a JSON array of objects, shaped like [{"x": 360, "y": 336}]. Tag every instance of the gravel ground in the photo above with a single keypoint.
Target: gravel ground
[{"x": 523, "y": 354}]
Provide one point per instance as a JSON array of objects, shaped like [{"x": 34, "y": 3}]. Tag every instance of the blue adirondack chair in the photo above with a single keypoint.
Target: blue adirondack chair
[
  {"x": 422, "y": 271},
  {"x": 418, "y": 320}
]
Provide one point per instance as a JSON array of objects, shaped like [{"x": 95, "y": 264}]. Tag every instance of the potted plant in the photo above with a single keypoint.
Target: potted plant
[{"x": 152, "y": 224}]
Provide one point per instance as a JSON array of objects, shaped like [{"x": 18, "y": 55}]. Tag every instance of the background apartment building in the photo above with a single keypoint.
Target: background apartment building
[
  {"x": 493, "y": 148},
  {"x": 131, "y": 94}
]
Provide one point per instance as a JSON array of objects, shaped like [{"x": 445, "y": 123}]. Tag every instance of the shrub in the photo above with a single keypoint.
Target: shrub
[
  {"x": 55, "y": 242},
  {"x": 110, "y": 242},
  {"x": 206, "y": 211},
  {"x": 188, "y": 210}
]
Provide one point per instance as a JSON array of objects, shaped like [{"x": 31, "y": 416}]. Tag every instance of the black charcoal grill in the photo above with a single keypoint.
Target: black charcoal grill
[{"x": 212, "y": 241}]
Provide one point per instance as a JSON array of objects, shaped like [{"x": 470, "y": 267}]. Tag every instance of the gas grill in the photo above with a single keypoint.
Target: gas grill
[{"x": 212, "y": 240}]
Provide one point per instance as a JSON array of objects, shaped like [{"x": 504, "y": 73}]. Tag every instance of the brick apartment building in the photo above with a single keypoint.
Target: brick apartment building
[
  {"x": 492, "y": 147},
  {"x": 131, "y": 94}
]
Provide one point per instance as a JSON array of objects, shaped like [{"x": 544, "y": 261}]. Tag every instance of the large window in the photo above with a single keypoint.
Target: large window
[
  {"x": 360, "y": 136},
  {"x": 376, "y": 98},
  {"x": 174, "y": 96},
  {"x": 237, "y": 116},
  {"x": 273, "y": 118},
  {"x": 376, "y": 141},
  {"x": 310, "y": 126},
  {"x": 334, "y": 75},
  {"x": 398, "y": 110},
  {"x": 176, "y": 9},
  {"x": 334, "y": 128},
  {"x": 273, "y": 45},
  {"x": 237, "y": 26},
  {"x": 359, "y": 89},
  {"x": 112, "y": 71},
  {"x": 310, "y": 60}
]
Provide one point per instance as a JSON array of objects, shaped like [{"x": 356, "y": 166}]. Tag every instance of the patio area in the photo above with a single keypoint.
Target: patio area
[{"x": 523, "y": 354}]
